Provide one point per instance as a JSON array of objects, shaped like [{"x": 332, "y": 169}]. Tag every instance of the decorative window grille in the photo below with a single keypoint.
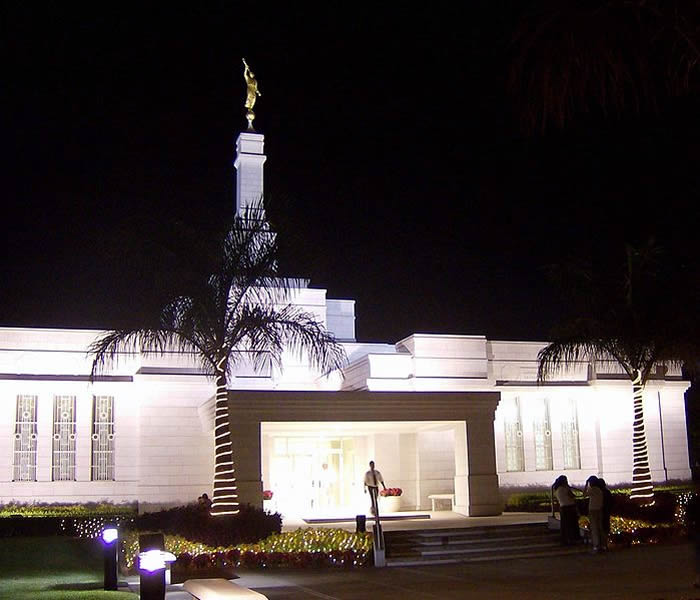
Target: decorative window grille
[
  {"x": 515, "y": 459},
  {"x": 542, "y": 430},
  {"x": 102, "y": 438},
  {"x": 569, "y": 436},
  {"x": 25, "y": 439},
  {"x": 63, "y": 466}
]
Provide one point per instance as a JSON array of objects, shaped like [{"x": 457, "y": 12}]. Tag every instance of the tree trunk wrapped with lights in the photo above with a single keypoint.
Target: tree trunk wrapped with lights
[
  {"x": 225, "y": 500},
  {"x": 641, "y": 473}
]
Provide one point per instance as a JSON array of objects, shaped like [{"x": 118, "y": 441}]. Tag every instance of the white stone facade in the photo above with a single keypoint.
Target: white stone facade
[
  {"x": 439, "y": 414},
  {"x": 163, "y": 426}
]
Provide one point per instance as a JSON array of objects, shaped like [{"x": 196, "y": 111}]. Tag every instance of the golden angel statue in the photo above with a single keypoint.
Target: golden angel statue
[{"x": 252, "y": 94}]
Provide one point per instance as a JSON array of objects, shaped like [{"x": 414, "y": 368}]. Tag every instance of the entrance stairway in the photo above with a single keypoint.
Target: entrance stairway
[{"x": 473, "y": 544}]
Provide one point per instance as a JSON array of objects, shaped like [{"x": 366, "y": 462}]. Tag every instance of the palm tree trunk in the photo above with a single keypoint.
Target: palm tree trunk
[
  {"x": 225, "y": 500},
  {"x": 642, "y": 488}
]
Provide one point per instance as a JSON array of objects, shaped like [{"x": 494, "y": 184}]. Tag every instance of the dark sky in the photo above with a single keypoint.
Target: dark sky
[{"x": 399, "y": 170}]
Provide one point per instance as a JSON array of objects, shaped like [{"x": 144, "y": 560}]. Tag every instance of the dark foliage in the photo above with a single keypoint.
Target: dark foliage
[
  {"x": 662, "y": 511},
  {"x": 527, "y": 502},
  {"x": 197, "y": 525},
  {"x": 65, "y": 526},
  {"x": 645, "y": 535}
]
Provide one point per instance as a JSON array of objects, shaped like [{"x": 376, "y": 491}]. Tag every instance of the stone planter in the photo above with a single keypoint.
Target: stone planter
[{"x": 389, "y": 504}]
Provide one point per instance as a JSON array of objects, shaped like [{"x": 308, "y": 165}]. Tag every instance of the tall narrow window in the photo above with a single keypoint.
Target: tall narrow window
[
  {"x": 103, "y": 438},
  {"x": 543, "y": 434},
  {"x": 25, "y": 439},
  {"x": 515, "y": 460},
  {"x": 63, "y": 466},
  {"x": 569, "y": 436}
]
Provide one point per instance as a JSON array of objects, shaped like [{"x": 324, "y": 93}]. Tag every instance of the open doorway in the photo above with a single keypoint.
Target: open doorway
[{"x": 317, "y": 469}]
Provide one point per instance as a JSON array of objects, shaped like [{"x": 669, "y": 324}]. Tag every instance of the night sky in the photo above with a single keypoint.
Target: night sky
[{"x": 400, "y": 169}]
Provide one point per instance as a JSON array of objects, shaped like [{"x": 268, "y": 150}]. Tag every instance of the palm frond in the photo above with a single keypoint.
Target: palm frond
[
  {"x": 264, "y": 332},
  {"x": 112, "y": 347},
  {"x": 556, "y": 356}
]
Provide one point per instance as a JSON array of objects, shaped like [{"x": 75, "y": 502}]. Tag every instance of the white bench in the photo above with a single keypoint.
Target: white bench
[
  {"x": 219, "y": 589},
  {"x": 437, "y": 497}
]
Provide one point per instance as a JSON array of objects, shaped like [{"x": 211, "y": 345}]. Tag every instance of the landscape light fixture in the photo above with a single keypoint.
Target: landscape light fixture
[
  {"x": 152, "y": 564},
  {"x": 110, "y": 537}
]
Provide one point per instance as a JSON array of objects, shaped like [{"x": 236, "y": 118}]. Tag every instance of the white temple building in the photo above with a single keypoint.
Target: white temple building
[{"x": 456, "y": 415}]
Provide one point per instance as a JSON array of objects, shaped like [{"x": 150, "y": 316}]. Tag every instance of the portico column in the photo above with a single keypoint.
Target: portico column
[
  {"x": 461, "y": 503},
  {"x": 482, "y": 480},
  {"x": 245, "y": 441}
]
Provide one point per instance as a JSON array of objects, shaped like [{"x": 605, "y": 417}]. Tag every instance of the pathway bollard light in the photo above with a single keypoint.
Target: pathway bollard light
[
  {"x": 152, "y": 564},
  {"x": 110, "y": 544}
]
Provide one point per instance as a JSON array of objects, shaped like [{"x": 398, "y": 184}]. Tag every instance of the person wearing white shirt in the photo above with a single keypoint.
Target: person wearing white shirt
[
  {"x": 372, "y": 480},
  {"x": 567, "y": 510}
]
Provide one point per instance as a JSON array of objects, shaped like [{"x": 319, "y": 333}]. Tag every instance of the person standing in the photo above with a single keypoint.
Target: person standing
[
  {"x": 607, "y": 509},
  {"x": 372, "y": 480},
  {"x": 595, "y": 513},
  {"x": 567, "y": 511}
]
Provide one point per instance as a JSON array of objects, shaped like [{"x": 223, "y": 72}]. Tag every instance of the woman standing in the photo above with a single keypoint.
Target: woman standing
[
  {"x": 594, "y": 492},
  {"x": 567, "y": 511}
]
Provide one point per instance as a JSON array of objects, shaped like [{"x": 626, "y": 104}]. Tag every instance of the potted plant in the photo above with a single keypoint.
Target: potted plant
[
  {"x": 267, "y": 500},
  {"x": 390, "y": 500}
]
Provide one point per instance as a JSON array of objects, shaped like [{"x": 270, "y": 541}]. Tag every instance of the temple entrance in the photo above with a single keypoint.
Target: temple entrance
[
  {"x": 312, "y": 474},
  {"x": 317, "y": 470}
]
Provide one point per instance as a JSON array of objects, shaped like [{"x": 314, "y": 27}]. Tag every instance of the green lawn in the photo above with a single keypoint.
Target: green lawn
[{"x": 53, "y": 568}]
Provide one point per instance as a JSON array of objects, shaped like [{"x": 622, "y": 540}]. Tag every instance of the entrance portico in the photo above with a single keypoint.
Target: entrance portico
[{"x": 288, "y": 437}]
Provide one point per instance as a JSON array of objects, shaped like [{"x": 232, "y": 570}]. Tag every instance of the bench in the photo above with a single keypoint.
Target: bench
[
  {"x": 437, "y": 497},
  {"x": 219, "y": 589}
]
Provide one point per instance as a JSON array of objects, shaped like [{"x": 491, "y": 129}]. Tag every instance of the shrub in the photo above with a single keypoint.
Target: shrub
[
  {"x": 184, "y": 559},
  {"x": 197, "y": 525},
  {"x": 86, "y": 510},
  {"x": 82, "y": 527},
  {"x": 662, "y": 511},
  {"x": 530, "y": 501}
]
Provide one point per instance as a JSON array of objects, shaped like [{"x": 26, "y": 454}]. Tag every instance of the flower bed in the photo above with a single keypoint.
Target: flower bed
[{"x": 301, "y": 548}]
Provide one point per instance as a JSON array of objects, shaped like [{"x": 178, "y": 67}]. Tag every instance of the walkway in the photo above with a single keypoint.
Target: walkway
[
  {"x": 440, "y": 519},
  {"x": 642, "y": 573}
]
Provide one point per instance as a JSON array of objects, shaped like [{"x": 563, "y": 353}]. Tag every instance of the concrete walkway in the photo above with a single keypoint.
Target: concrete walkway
[
  {"x": 439, "y": 519},
  {"x": 641, "y": 573}
]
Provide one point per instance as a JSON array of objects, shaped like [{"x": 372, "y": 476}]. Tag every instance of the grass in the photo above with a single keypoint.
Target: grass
[{"x": 53, "y": 568}]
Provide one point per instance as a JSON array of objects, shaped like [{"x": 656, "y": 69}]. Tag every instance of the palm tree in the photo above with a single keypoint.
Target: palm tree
[
  {"x": 242, "y": 312},
  {"x": 572, "y": 57},
  {"x": 631, "y": 317}
]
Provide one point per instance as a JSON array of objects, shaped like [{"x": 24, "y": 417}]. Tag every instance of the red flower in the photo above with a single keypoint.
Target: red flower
[
  {"x": 391, "y": 492},
  {"x": 267, "y": 494}
]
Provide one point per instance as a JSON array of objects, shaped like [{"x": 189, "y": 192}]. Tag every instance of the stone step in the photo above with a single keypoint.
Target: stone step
[
  {"x": 470, "y": 532},
  {"x": 420, "y": 561},
  {"x": 457, "y": 541},
  {"x": 436, "y": 546},
  {"x": 445, "y": 549}
]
